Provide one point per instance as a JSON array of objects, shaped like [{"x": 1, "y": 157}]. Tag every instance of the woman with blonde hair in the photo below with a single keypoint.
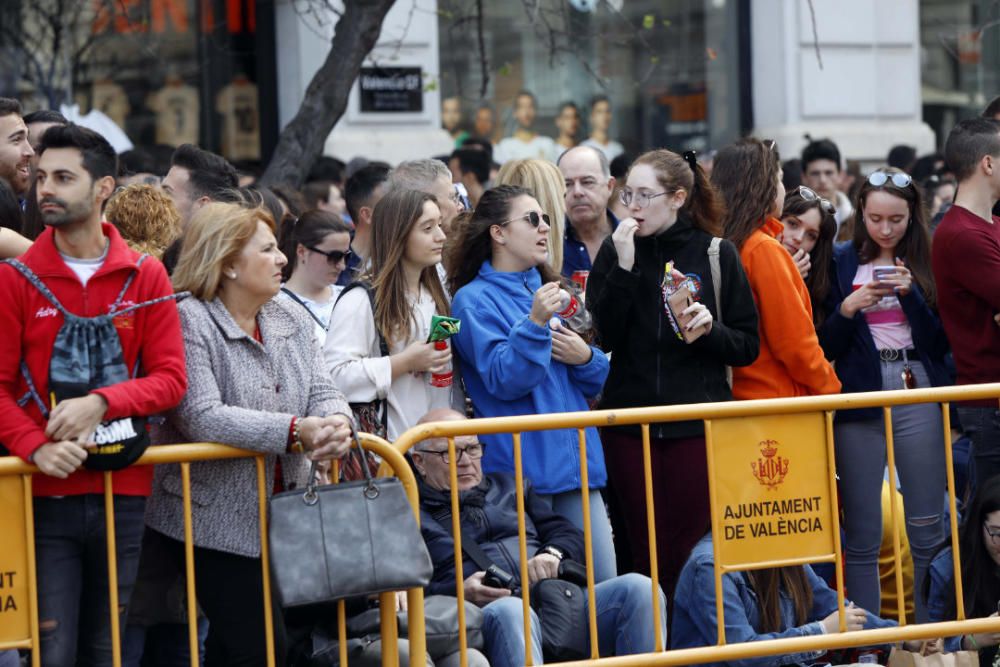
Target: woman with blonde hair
[
  {"x": 376, "y": 346},
  {"x": 145, "y": 217},
  {"x": 546, "y": 182},
  {"x": 256, "y": 381}
]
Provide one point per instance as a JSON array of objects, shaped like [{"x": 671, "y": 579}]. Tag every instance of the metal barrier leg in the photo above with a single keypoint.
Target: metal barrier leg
[
  {"x": 949, "y": 463},
  {"x": 838, "y": 564},
  {"x": 456, "y": 530},
  {"x": 523, "y": 550},
  {"x": 894, "y": 513},
  {"x": 654, "y": 572},
  {"x": 588, "y": 544},
  {"x": 264, "y": 560},
  {"x": 192, "y": 598},
  {"x": 719, "y": 612},
  {"x": 29, "y": 542},
  {"x": 112, "y": 547}
]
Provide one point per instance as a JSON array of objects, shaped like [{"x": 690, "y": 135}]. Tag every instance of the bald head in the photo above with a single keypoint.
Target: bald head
[{"x": 429, "y": 456}]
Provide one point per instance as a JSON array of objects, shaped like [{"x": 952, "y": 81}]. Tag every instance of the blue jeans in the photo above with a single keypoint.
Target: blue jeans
[
  {"x": 920, "y": 460},
  {"x": 624, "y": 622},
  {"x": 983, "y": 427},
  {"x": 71, "y": 557},
  {"x": 570, "y": 505}
]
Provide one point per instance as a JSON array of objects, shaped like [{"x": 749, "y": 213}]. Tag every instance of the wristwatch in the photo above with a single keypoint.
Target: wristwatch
[{"x": 552, "y": 551}]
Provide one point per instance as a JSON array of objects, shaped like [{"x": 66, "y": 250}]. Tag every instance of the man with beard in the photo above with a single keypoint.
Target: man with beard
[
  {"x": 589, "y": 185},
  {"x": 15, "y": 150},
  {"x": 87, "y": 267}
]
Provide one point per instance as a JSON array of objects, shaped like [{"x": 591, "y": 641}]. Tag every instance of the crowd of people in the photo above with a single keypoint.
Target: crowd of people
[{"x": 184, "y": 303}]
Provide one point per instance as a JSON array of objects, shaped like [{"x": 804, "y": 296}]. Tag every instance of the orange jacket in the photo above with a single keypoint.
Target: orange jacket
[{"x": 791, "y": 362}]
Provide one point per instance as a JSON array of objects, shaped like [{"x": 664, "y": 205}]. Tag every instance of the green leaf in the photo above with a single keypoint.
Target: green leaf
[
  {"x": 654, "y": 59},
  {"x": 504, "y": 70},
  {"x": 667, "y": 23},
  {"x": 648, "y": 21}
]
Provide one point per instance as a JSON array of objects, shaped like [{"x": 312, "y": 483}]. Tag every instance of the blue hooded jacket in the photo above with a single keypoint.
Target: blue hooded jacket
[{"x": 506, "y": 361}]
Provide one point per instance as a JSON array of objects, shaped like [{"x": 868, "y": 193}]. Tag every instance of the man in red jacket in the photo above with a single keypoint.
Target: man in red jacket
[
  {"x": 966, "y": 260},
  {"x": 85, "y": 264}
]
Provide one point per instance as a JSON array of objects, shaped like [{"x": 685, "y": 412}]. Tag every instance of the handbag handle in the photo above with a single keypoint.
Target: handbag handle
[{"x": 371, "y": 491}]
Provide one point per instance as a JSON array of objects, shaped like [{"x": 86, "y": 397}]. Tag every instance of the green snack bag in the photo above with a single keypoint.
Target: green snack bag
[{"x": 443, "y": 328}]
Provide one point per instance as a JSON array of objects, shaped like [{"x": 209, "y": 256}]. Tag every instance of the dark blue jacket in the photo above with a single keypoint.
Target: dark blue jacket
[
  {"x": 488, "y": 514},
  {"x": 849, "y": 342}
]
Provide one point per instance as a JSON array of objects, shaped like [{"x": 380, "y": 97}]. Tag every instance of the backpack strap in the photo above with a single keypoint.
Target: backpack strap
[
  {"x": 383, "y": 346},
  {"x": 716, "y": 268},
  {"x": 128, "y": 283},
  {"x": 295, "y": 297},
  {"x": 115, "y": 310},
  {"x": 30, "y": 276},
  {"x": 32, "y": 392}
]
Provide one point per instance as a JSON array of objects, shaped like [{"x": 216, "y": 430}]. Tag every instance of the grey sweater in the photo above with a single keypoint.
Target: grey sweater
[{"x": 244, "y": 394}]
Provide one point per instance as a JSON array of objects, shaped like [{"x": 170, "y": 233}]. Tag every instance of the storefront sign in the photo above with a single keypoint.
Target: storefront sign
[
  {"x": 772, "y": 488},
  {"x": 14, "y": 607},
  {"x": 391, "y": 89}
]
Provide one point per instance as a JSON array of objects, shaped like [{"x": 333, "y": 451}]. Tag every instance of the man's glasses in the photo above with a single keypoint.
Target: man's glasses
[
  {"x": 333, "y": 257},
  {"x": 993, "y": 532},
  {"x": 881, "y": 177},
  {"x": 642, "y": 199},
  {"x": 534, "y": 217},
  {"x": 809, "y": 194},
  {"x": 473, "y": 450}
]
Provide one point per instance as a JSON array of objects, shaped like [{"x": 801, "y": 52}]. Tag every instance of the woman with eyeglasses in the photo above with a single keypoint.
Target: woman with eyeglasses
[
  {"x": 883, "y": 333},
  {"x": 791, "y": 362},
  {"x": 518, "y": 358},
  {"x": 809, "y": 229},
  {"x": 674, "y": 221},
  {"x": 979, "y": 545},
  {"x": 317, "y": 246},
  {"x": 377, "y": 347}
]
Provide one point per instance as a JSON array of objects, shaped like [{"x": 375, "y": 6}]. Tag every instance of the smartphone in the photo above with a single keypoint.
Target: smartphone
[
  {"x": 883, "y": 273},
  {"x": 678, "y": 302}
]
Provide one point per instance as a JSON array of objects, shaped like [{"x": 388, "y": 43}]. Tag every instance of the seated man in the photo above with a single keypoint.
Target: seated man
[{"x": 489, "y": 516}]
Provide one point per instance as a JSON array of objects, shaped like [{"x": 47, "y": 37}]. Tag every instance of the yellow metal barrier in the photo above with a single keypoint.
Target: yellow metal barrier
[
  {"x": 710, "y": 413},
  {"x": 23, "y": 552}
]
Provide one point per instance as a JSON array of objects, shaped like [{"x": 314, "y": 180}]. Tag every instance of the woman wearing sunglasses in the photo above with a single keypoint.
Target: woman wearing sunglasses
[
  {"x": 317, "y": 246},
  {"x": 517, "y": 358},
  {"x": 883, "y": 333},
  {"x": 809, "y": 229},
  {"x": 791, "y": 362},
  {"x": 979, "y": 544},
  {"x": 674, "y": 216},
  {"x": 377, "y": 347}
]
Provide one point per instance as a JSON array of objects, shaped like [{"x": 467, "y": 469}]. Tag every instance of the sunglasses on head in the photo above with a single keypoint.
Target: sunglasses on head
[
  {"x": 881, "y": 177},
  {"x": 534, "y": 217},
  {"x": 809, "y": 194},
  {"x": 333, "y": 257}
]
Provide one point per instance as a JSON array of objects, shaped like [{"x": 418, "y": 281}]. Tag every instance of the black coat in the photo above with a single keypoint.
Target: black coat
[
  {"x": 649, "y": 364},
  {"x": 489, "y": 516}
]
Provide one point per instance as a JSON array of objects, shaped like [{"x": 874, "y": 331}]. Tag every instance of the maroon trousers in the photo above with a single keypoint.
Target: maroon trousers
[{"x": 680, "y": 499}]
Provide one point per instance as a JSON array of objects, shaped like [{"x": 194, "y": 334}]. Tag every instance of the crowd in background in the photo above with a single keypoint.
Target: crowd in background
[{"x": 270, "y": 318}]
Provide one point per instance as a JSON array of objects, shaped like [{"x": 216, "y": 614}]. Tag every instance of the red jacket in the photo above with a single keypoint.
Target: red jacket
[{"x": 28, "y": 327}]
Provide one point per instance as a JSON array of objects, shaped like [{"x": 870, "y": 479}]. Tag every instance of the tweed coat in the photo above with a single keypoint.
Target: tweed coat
[{"x": 240, "y": 393}]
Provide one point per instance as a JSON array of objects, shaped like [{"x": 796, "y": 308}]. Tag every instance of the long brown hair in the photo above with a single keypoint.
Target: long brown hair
[
  {"x": 471, "y": 244},
  {"x": 915, "y": 246},
  {"x": 393, "y": 219},
  {"x": 768, "y": 584},
  {"x": 821, "y": 256},
  {"x": 703, "y": 204},
  {"x": 746, "y": 173}
]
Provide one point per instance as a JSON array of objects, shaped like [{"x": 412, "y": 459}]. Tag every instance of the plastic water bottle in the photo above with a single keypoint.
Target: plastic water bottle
[
  {"x": 572, "y": 313},
  {"x": 442, "y": 379}
]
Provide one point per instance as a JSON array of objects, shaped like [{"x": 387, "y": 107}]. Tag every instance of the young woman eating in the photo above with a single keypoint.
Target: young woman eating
[
  {"x": 809, "y": 229},
  {"x": 377, "y": 347},
  {"x": 318, "y": 246},
  {"x": 883, "y": 333}
]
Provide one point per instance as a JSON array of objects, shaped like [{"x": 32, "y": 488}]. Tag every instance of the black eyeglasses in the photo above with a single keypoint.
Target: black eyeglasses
[
  {"x": 993, "y": 532},
  {"x": 809, "y": 194},
  {"x": 881, "y": 177},
  {"x": 534, "y": 217},
  {"x": 333, "y": 257},
  {"x": 473, "y": 450}
]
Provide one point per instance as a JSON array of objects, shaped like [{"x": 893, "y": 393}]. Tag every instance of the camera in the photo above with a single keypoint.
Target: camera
[{"x": 497, "y": 577}]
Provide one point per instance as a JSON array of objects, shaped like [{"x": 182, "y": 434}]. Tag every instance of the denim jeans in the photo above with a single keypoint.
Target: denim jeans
[
  {"x": 71, "y": 556},
  {"x": 983, "y": 427},
  {"x": 624, "y": 622},
  {"x": 920, "y": 460},
  {"x": 570, "y": 505}
]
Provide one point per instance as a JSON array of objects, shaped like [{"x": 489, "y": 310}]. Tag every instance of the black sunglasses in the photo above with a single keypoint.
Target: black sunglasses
[
  {"x": 533, "y": 217},
  {"x": 809, "y": 194},
  {"x": 333, "y": 257}
]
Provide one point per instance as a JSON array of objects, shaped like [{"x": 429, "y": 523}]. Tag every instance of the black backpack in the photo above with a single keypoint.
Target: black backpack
[{"x": 86, "y": 355}]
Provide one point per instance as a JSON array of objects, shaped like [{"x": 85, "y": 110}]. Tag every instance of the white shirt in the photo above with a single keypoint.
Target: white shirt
[
  {"x": 320, "y": 310},
  {"x": 85, "y": 268},
  {"x": 612, "y": 149},
  {"x": 512, "y": 148},
  {"x": 352, "y": 354}
]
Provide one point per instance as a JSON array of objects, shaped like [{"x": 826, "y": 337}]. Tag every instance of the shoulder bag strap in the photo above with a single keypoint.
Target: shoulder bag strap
[
  {"x": 383, "y": 346},
  {"x": 295, "y": 297},
  {"x": 716, "y": 267},
  {"x": 469, "y": 545}
]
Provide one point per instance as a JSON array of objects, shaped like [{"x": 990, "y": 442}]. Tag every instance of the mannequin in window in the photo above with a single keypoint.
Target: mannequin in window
[
  {"x": 568, "y": 124},
  {"x": 600, "y": 126},
  {"x": 451, "y": 119},
  {"x": 177, "y": 106},
  {"x": 525, "y": 143},
  {"x": 485, "y": 123}
]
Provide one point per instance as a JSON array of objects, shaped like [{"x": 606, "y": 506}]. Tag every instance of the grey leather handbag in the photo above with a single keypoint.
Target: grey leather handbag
[{"x": 342, "y": 540}]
